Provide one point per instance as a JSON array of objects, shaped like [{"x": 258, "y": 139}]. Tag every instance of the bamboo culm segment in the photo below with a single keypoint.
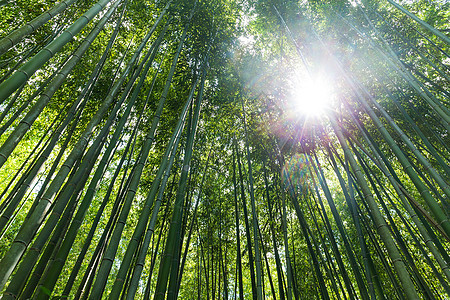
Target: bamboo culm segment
[
  {"x": 174, "y": 142},
  {"x": 27, "y": 229},
  {"x": 168, "y": 265},
  {"x": 15, "y": 137},
  {"x": 29, "y": 68},
  {"x": 421, "y": 22},
  {"x": 17, "y": 35},
  {"x": 110, "y": 252},
  {"x": 43, "y": 100},
  {"x": 143, "y": 219},
  {"x": 382, "y": 229}
]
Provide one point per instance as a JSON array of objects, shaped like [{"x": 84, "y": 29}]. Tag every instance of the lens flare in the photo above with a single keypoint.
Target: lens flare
[
  {"x": 312, "y": 97},
  {"x": 295, "y": 172}
]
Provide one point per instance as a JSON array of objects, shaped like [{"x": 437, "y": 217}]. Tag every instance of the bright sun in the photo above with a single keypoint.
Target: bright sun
[{"x": 312, "y": 97}]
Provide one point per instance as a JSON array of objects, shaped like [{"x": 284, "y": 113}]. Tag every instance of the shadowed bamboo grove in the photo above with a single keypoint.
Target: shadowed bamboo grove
[{"x": 175, "y": 149}]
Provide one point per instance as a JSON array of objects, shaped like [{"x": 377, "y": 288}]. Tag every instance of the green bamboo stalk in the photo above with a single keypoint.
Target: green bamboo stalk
[
  {"x": 110, "y": 253},
  {"x": 327, "y": 261},
  {"x": 286, "y": 249},
  {"x": 419, "y": 278},
  {"x": 376, "y": 245},
  {"x": 143, "y": 218},
  {"x": 194, "y": 221},
  {"x": 368, "y": 262},
  {"x": 169, "y": 261},
  {"x": 55, "y": 164},
  {"x": 134, "y": 281},
  {"x": 86, "y": 283},
  {"x": 64, "y": 202},
  {"x": 8, "y": 107},
  {"x": 32, "y": 156},
  {"x": 259, "y": 294},
  {"x": 272, "y": 230},
  {"x": 238, "y": 239},
  {"x": 25, "y": 105},
  {"x": 48, "y": 254},
  {"x": 284, "y": 226},
  {"x": 438, "y": 89},
  {"x": 306, "y": 233},
  {"x": 334, "y": 244},
  {"x": 444, "y": 186},
  {"x": 351, "y": 203},
  {"x": 57, "y": 266},
  {"x": 396, "y": 233},
  {"x": 426, "y": 38},
  {"x": 224, "y": 270},
  {"x": 161, "y": 236},
  {"x": 429, "y": 199},
  {"x": 33, "y": 49},
  {"x": 92, "y": 266},
  {"x": 38, "y": 271},
  {"x": 422, "y": 225},
  {"x": 17, "y": 35},
  {"x": 28, "y": 179},
  {"x": 394, "y": 98},
  {"x": 199, "y": 263},
  {"x": 375, "y": 242},
  {"x": 350, "y": 200},
  {"x": 349, "y": 251},
  {"x": 394, "y": 62},
  {"x": 27, "y": 230},
  {"x": 95, "y": 222},
  {"x": 86, "y": 94},
  {"x": 16, "y": 195},
  {"x": 172, "y": 249},
  {"x": 29, "y": 68},
  {"x": 404, "y": 39},
  {"x": 62, "y": 255},
  {"x": 331, "y": 270},
  {"x": 137, "y": 271},
  {"x": 77, "y": 106},
  {"x": 15, "y": 137},
  {"x": 15, "y": 285},
  {"x": 127, "y": 280},
  {"x": 81, "y": 255},
  {"x": 423, "y": 138},
  {"x": 88, "y": 279},
  {"x": 381, "y": 225},
  {"x": 246, "y": 222},
  {"x": 106, "y": 231},
  {"x": 294, "y": 40},
  {"x": 421, "y": 22},
  {"x": 429, "y": 182},
  {"x": 263, "y": 249}
]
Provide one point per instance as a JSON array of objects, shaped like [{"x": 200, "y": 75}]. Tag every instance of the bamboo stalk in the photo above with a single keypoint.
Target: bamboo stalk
[{"x": 17, "y": 35}]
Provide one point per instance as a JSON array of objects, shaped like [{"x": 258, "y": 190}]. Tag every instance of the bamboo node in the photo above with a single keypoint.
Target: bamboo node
[
  {"x": 21, "y": 242},
  {"x": 26, "y": 123},
  {"x": 10, "y": 294},
  {"x": 25, "y": 73},
  {"x": 397, "y": 260},
  {"x": 10, "y": 40},
  {"x": 35, "y": 249},
  {"x": 49, "y": 51}
]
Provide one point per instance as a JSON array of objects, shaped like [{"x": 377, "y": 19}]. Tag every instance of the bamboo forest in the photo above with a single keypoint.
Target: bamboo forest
[{"x": 225, "y": 149}]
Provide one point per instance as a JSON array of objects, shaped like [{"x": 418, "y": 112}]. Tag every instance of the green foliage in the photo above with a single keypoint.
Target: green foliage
[{"x": 388, "y": 205}]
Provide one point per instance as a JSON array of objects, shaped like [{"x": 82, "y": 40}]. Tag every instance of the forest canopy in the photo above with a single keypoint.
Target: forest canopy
[{"x": 223, "y": 149}]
